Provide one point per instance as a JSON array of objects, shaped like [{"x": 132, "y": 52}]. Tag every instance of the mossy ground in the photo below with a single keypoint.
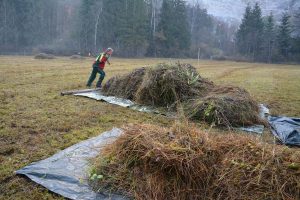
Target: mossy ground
[{"x": 36, "y": 122}]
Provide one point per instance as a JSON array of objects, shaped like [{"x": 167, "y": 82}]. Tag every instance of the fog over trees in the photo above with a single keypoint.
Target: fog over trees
[{"x": 137, "y": 28}]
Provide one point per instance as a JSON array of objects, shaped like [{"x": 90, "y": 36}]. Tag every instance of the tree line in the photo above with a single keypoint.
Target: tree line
[
  {"x": 262, "y": 39},
  {"x": 156, "y": 28},
  {"x": 136, "y": 28},
  {"x": 26, "y": 25}
]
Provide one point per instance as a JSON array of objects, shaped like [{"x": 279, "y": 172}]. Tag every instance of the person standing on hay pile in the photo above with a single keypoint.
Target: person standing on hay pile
[{"x": 98, "y": 67}]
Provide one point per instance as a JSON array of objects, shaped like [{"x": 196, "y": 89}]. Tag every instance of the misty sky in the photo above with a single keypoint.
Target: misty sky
[{"x": 234, "y": 9}]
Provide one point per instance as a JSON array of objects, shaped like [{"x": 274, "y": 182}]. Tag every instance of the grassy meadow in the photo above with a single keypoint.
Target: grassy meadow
[{"x": 36, "y": 122}]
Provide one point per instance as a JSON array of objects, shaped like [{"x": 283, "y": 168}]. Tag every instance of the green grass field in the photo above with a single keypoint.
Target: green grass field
[{"x": 36, "y": 122}]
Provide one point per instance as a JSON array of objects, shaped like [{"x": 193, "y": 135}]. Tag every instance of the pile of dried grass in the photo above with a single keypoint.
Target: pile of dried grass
[
  {"x": 252, "y": 170},
  {"x": 226, "y": 105},
  {"x": 77, "y": 57},
  {"x": 44, "y": 56},
  {"x": 165, "y": 85},
  {"x": 150, "y": 162},
  {"x": 162, "y": 85},
  {"x": 125, "y": 86}
]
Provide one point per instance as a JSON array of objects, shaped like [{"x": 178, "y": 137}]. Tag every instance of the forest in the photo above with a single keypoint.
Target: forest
[{"x": 145, "y": 28}]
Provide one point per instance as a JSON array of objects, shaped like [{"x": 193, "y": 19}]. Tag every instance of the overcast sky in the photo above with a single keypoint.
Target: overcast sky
[{"x": 235, "y": 8}]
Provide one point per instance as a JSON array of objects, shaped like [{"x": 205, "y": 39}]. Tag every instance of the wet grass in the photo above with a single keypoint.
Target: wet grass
[{"x": 36, "y": 122}]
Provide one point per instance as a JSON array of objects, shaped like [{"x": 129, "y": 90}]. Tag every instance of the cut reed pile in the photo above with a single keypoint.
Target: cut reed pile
[
  {"x": 125, "y": 86},
  {"x": 77, "y": 57},
  {"x": 165, "y": 84},
  {"x": 150, "y": 162},
  {"x": 162, "y": 85},
  {"x": 226, "y": 105},
  {"x": 170, "y": 85},
  {"x": 44, "y": 56}
]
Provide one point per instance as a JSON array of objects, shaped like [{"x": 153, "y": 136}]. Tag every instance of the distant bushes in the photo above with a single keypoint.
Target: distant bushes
[
  {"x": 77, "y": 57},
  {"x": 44, "y": 56},
  {"x": 219, "y": 58}
]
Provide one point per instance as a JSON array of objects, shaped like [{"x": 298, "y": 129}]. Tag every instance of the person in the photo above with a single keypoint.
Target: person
[{"x": 98, "y": 67}]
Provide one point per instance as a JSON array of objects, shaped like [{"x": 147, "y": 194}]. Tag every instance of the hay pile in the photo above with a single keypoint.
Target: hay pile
[
  {"x": 125, "y": 86},
  {"x": 159, "y": 86},
  {"x": 164, "y": 85},
  {"x": 77, "y": 57},
  {"x": 180, "y": 84},
  {"x": 150, "y": 162},
  {"x": 226, "y": 105},
  {"x": 44, "y": 56}
]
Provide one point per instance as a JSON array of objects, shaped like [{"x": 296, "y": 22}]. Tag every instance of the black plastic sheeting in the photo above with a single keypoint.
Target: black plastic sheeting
[
  {"x": 286, "y": 130},
  {"x": 66, "y": 173}
]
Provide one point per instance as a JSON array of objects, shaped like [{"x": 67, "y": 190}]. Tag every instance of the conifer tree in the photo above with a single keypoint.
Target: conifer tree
[
  {"x": 269, "y": 38},
  {"x": 243, "y": 34},
  {"x": 86, "y": 27},
  {"x": 132, "y": 28},
  {"x": 257, "y": 32},
  {"x": 284, "y": 35},
  {"x": 249, "y": 35},
  {"x": 173, "y": 35},
  {"x": 201, "y": 30}
]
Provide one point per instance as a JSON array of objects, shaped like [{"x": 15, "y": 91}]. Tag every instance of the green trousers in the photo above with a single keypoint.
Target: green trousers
[{"x": 96, "y": 70}]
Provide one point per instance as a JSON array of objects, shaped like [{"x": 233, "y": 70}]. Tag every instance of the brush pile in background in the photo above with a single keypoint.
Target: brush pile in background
[
  {"x": 167, "y": 85},
  {"x": 182, "y": 162},
  {"x": 77, "y": 57},
  {"x": 43, "y": 56}
]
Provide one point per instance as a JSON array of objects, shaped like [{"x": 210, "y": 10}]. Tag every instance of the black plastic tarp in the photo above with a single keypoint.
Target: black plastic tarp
[
  {"x": 66, "y": 173},
  {"x": 286, "y": 130}
]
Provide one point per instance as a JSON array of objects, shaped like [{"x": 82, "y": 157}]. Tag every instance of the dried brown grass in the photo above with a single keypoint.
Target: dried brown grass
[
  {"x": 166, "y": 84},
  {"x": 182, "y": 162},
  {"x": 170, "y": 85},
  {"x": 162, "y": 85},
  {"x": 44, "y": 56},
  {"x": 77, "y": 57},
  {"x": 225, "y": 105},
  {"x": 125, "y": 86}
]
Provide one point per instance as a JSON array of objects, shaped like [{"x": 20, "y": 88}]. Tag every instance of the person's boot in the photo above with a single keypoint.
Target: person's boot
[
  {"x": 99, "y": 86},
  {"x": 88, "y": 85}
]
